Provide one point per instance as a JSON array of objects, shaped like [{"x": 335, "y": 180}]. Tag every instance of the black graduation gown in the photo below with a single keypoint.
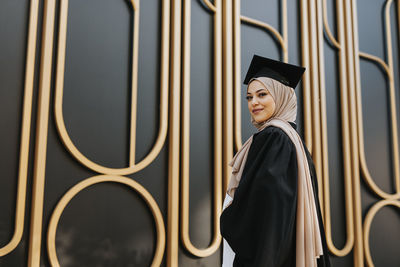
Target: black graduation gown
[{"x": 260, "y": 224}]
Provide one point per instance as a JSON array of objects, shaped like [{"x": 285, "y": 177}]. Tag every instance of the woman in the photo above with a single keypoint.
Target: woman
[{"x": 272, "y": 216}]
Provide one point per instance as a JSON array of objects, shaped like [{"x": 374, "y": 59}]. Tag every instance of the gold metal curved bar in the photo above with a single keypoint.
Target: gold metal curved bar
[
  {"x": 216, "y": 241},
  {"x": 172, "y": 259},
  {"x": 306, "y": 80},
  {"x": 35, "y": 235},
  {"x": 315, "y": 97},
  {"x": 237, "y": 78},
  {"x": 55, "y": 217},
  {"x": 367, "y": 225},
  {"x": 346, "y": 152},
  {"x": 210, "y": 5},
  {"x": 269, "y": 28},
  {"x": 285, "y": 31},
  {"x": 25, "y": 131},
  {"x": 283, "y": 41},
  {"x": 326, "y": 25},
  {"x": 135, "y": 55},
  {"x": 351, "y": 46},
  {"x": 389, "y": 70},
  {"x": 377, "y": 60},
  {"x": 163, "y": 100},
  {"x": 227, "y": 99}
]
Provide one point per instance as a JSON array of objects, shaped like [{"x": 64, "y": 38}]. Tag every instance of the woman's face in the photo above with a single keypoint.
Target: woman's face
[{"x": 259, "y": 101}]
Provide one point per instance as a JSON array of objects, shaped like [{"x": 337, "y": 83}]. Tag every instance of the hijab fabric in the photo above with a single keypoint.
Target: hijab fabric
[{"x": 308, "y": 236}]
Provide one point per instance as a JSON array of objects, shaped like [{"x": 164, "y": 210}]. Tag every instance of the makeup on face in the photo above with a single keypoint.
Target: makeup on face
[{"x": 260, "y": 102}]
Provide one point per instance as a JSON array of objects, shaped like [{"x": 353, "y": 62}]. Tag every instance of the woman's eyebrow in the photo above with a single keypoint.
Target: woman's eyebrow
[{"x": 258, "y": 90}]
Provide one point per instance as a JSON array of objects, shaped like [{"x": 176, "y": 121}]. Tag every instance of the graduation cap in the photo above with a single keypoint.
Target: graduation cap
[{"x": 287, "y": 74}]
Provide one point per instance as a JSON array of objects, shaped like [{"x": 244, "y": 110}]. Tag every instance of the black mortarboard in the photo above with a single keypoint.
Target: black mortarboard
[{"x": 287, "y": 74}]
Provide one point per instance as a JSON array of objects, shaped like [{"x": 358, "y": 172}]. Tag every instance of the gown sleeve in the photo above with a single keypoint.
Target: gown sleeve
[{"x": 260, "y": 224}]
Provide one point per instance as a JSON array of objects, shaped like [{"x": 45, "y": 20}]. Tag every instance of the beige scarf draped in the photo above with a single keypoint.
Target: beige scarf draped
[{"x": 308, "y": 237}]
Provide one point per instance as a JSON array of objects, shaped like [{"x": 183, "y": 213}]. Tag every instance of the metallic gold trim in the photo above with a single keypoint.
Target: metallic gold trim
[
  {"x": 271, "y": 29},
  {"x": 306, "y": 79},
  {"x": 389, "y": 71},
  {"x": 237, "y": 84},
  {"x": 212, "y": 7},
  {"x": 326, "y": 24},
  {"x": 315, "y": 97},
  {"x": 345, "y": 144},
  {"x": 41, "y": 135},
  {"x": 135, "y": 57},
  {"x": 25, "y": 131},
  {"x": 367, "y": 225},
  {"x": 284, "y": 21},
  {"x": 377, "y": 60},
  {"x": 59, "y": 117},
  {"x": 174, "y": 142},
  {"x": 353, "y": 83},
  {"x": 55, "y": 217},
  {"x": 228, "y": 91},
  {"x": 282, "y": 40},
  {"x": 185, "y": 137}
]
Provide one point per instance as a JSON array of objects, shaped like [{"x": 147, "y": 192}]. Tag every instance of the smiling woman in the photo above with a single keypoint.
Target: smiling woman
[
  {"x": 260, "y": 102},
  {"x": 272, "y": 216}
]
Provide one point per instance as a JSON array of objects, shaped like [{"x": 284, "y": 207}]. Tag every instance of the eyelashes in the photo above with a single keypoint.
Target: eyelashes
[{"x": 260, "y": 95}]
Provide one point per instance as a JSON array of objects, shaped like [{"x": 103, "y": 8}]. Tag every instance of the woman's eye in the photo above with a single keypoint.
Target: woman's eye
[
  {"x": 248, "y": 97},
  {"x": 262, "y": 94}
]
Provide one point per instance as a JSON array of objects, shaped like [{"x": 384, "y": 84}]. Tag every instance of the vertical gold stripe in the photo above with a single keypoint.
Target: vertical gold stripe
[
  {"x": 228, "y": 88},
  {"x": 352, "y": 54},
  {"x": 237, "y": 75},
  {"x": 322, "y": 104},
  {"x": 217, "y": 199},
  {"x": 135, "y": 48},
  {"x": 315, "y": 95},
  {"x": 346, "y": 148},
  {"x": 41, "y": 135},
  {"x": 393, "y": 111},
  {"x": 285, "y": 36},
  {"x": 306, "y": 79},
  {"x": 173, "y": 166},
  {"x": 25, "y": 131}
]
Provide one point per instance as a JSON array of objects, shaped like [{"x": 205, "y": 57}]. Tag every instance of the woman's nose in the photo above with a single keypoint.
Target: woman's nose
[{"x": 254, "y": 101}]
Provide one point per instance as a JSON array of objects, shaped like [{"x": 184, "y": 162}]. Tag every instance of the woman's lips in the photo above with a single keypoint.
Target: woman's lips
[{"x": 255, "y": 111}]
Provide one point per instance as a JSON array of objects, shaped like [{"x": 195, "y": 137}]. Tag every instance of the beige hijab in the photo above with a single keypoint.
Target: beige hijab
[{"x": 308, "y": 237}]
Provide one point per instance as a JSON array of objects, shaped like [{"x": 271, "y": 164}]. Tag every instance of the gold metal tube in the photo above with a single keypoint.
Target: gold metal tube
[
  {"x": 228, "y": 91},
  {"x": 315, "y": 95},
  {"x": 346, "y": 151},
  {"x": 285, "y": 31},
  {"x": 210, "y": 5},
  {"x": 326, "y": 25},
  {"x": 237, "y": 74},
  {"x": 267, "y": 27},
  {"x": 306, "y": 79},
  {"x": 217, "y": 203},
  {"x": 25, "y": 131},
  {"x": 368, "y": 221},
  {"x": 41, "y": 135},
  {"x": 174, "y": 130},
  {"x": 353, "y": 83},
  {"x": 322, "y": 104},
  {"x": 389, "y": 71},
  {"x": 135, "y": 52},
  {"x": 162, "y": 133},
  {"x": 393, "y": 110},
  {"x": 66, "y": 199}
]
